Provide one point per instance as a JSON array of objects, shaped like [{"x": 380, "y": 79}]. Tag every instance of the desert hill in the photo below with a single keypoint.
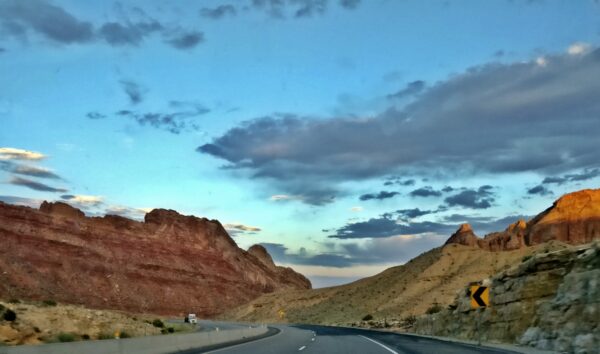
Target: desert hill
[
  {"x": 435, "y": 277},
  {"x": 168, "y": 264}
]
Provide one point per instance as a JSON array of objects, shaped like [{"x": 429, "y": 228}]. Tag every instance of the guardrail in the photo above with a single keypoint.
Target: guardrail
[{"x": 159, "y": 344}]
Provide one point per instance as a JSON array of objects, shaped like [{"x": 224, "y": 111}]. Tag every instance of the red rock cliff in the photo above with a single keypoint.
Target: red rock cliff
[
  {"x": 573, "y": 219},
  {"x": 169, "y": 264}
]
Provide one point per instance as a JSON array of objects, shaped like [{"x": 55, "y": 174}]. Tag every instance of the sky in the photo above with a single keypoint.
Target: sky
[{"x": 346, "y": 136}]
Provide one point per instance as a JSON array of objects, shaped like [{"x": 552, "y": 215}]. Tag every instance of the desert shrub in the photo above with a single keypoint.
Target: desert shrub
[
  {"x": 125, "y": 335},
  {"x": 435, "y": 308},
  {"x": 14, "y": 301},
  {"x": 102, "y": 336},
  {"x": 171, "y": 330},
  {"x": 2, "y": 308},
  {"x": 367, "y": 317},
  {"x": 526, "y": 258},
  {"x": 65, "y": 337},
  {"x": 158, "y": 323},
  {"x": 9, "y": 315},
  {"x": 409, "y": 321},
  {"x": 85, "y": 337},
  {"x": 164, "y": 331},
  {"x": 49, "y": 303},
  {"x": 36, "y": 329}
]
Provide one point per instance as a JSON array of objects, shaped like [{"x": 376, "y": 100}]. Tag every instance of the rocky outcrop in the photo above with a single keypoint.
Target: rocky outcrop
[
  {"x": 168, "y": 264},
  {"x": 572, "y": 219},
  {"x": 550, "y": 301}
]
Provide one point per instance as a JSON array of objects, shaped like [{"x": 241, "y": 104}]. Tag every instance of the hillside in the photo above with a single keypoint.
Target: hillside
[
  {"x": 435, "y": 277},
  {"x": 168, "y": 264}
]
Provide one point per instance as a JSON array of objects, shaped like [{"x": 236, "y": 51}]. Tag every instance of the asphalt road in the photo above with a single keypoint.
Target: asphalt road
[{"x": 302, "y": 339}]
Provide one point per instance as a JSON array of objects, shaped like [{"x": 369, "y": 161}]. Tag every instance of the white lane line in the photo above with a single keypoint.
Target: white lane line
[
  {"x": 379, "y": 344},
  {"x": 302, "y": 348},
  {"x": 239, "y": 345},
  {"x": 312, "y": 339}
]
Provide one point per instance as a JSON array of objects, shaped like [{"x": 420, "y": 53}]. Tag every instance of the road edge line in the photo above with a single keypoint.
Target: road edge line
[{"x": 381, "y": 345}]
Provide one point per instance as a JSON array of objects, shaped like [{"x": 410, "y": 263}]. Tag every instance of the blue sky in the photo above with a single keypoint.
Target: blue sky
[{"x": 347, "y": 136}]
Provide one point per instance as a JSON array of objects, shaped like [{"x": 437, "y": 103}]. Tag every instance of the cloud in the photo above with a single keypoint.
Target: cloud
[
  {"x": 407, "y": 214},
  {"x": 494, "y": 118},
  {"x": 379, "y": 196},
  {"x": 284, "y": 197},
  {"x": 356, "y": 209},
  {"x": 186, "y": 40},
  {"x": 83, "y": 201},
  {"x": 95, "y": 115},
  {"x": 425, "y": 192},
  {"x": 7, "y": 153},
  {"x": 28, "y": 170},
  {"x": 134, "y": 91},
  {"x": 578, "y": 48},
  {"x": 2, "y": 50},
  {"x": 584, "y": 175},
  {"x": 237, "y": 229},
  {"x": 30, "y": 202},
  {"x": 218, "y": 12},
  {"x": 399, "y": 181},
  {"x": 411, "y": 89},
  {"x": 118, "y": 34},
  {"x": 539, "y": 190},
  {"x": 50, "y": 21},
  {"x": 127, "y": 212},
  {"x": 18, "y": 181},
  {"x": 176, "y": 121},
  {"x": 349, "y": 4},
  {"x": 481, "y": 198}
]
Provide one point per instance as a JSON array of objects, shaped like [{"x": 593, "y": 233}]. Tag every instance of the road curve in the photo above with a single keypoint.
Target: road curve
[{"x": 303, "y": 339}]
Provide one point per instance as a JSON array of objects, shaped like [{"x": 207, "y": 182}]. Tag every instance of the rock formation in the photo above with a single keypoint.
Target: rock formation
[
  {"x": 572, "y": 219},
  {"x": 168, "y": 264}
]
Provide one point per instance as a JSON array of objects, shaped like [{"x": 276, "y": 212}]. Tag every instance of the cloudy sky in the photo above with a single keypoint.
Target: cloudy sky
[{"x": 344, "y": 135}]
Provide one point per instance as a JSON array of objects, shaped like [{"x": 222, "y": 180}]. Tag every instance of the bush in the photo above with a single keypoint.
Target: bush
[
  {"x": 102, "y": 336},
  {"x": 526, "y": 258},
  {"x": 2, "y": 308},
  {"x": 66, "y": 337},
  {"x": 14, "y": 301},
  {"x": 158, "y": 323},
  {"x": 171, "y": 330},
  {"x": 164, "y": 331},
  {"x": 125, "y": 335},
  {"x": 367, "y": 317},
  {"x": 85, "y": 337},
  {"x": 435, "y": 308},
  {"x": 9, "y": 315},
  {"x": 409, "y": 321},
  {"x": 49, "y": 303}
]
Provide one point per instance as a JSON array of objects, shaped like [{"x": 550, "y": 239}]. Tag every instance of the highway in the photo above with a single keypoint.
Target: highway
[{"x": 302, "y": 339}]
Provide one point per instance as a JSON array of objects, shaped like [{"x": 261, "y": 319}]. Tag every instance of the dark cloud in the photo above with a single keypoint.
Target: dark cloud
[
  {"x": 484, "y": 225},
  {"x": 584, "y": 175},
  {"x": 177, "y": 121},
  {"x": 186, "y": 40},
  {"x": 482, "y": 120},
  {"x": 18, "y": 181},
  {"x": 95, "y": 115},
  {"x": 309, "y": 8},
  {"x": 280, "y": 254},
  {"x": 218, "y": 12},
  {"x": 349, "y": 4},
  {"x": 448, "y": 189},
  {"x": 411, "y": 89},
  {"x": 539, "y": 190},
  {"x": 134, "y": 91},
  {"x": 481, "y": 198},
  {"x": 379, "y": 196},
  {"x": 399, "y": 181},
  {"x": 407, "y": 214},
  {"x": 118, "y": 34},
  {"x": 17, "y": 17},
  {"x": 425, "y": 192},
  {"x": 28, "y": 170}
]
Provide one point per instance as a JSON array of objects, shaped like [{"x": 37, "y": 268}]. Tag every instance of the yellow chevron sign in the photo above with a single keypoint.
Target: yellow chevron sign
[{"x": 480, "y": 296}]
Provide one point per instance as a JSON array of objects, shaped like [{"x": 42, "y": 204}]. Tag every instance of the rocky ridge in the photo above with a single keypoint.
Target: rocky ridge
[
  {"x": 572, "y": 219},
  {"x": 167, "y": 264}
]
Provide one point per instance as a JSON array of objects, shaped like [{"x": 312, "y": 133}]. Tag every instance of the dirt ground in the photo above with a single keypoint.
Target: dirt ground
[{"x": 38, "y": 323}]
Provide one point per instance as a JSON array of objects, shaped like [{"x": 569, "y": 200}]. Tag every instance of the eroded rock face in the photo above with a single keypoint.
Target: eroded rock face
[
  {"x": 572, "y": 219},
  {"x": 168, "y": 264}
]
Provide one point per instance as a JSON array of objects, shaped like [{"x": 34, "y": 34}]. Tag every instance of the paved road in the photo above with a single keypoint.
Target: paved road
[{"x": 302, "y": 339}]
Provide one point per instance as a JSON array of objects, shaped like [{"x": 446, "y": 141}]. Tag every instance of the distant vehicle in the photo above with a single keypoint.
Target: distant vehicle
[{"x": 191, "y": 318}]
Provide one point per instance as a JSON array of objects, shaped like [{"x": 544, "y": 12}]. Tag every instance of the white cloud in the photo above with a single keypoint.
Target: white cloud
[
  {"x": 7, "y": 153},
  {"x": 541, "y": 61},
  {"x": 236, "y": 227},
  {"x": 86, "y": 199},
  {"x": 356, "y": 209},
  {"x": 283, "y": 197},
  {"x": 578, "y": 48}
]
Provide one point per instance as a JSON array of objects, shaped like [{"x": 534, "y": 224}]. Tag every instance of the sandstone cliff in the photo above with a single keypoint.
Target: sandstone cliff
[
  {"x": 170, "y": 263},
  {"x": 572, "y": 219}
]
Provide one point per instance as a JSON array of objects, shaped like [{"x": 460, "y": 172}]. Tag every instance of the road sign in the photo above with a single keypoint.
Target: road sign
[
  {"x": 480, "y": 296},
  {"x": 281, "y": 313}
]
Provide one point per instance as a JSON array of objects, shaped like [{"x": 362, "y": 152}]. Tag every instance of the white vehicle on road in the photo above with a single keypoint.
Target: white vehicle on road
[{"x": 191, "y": 318}]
